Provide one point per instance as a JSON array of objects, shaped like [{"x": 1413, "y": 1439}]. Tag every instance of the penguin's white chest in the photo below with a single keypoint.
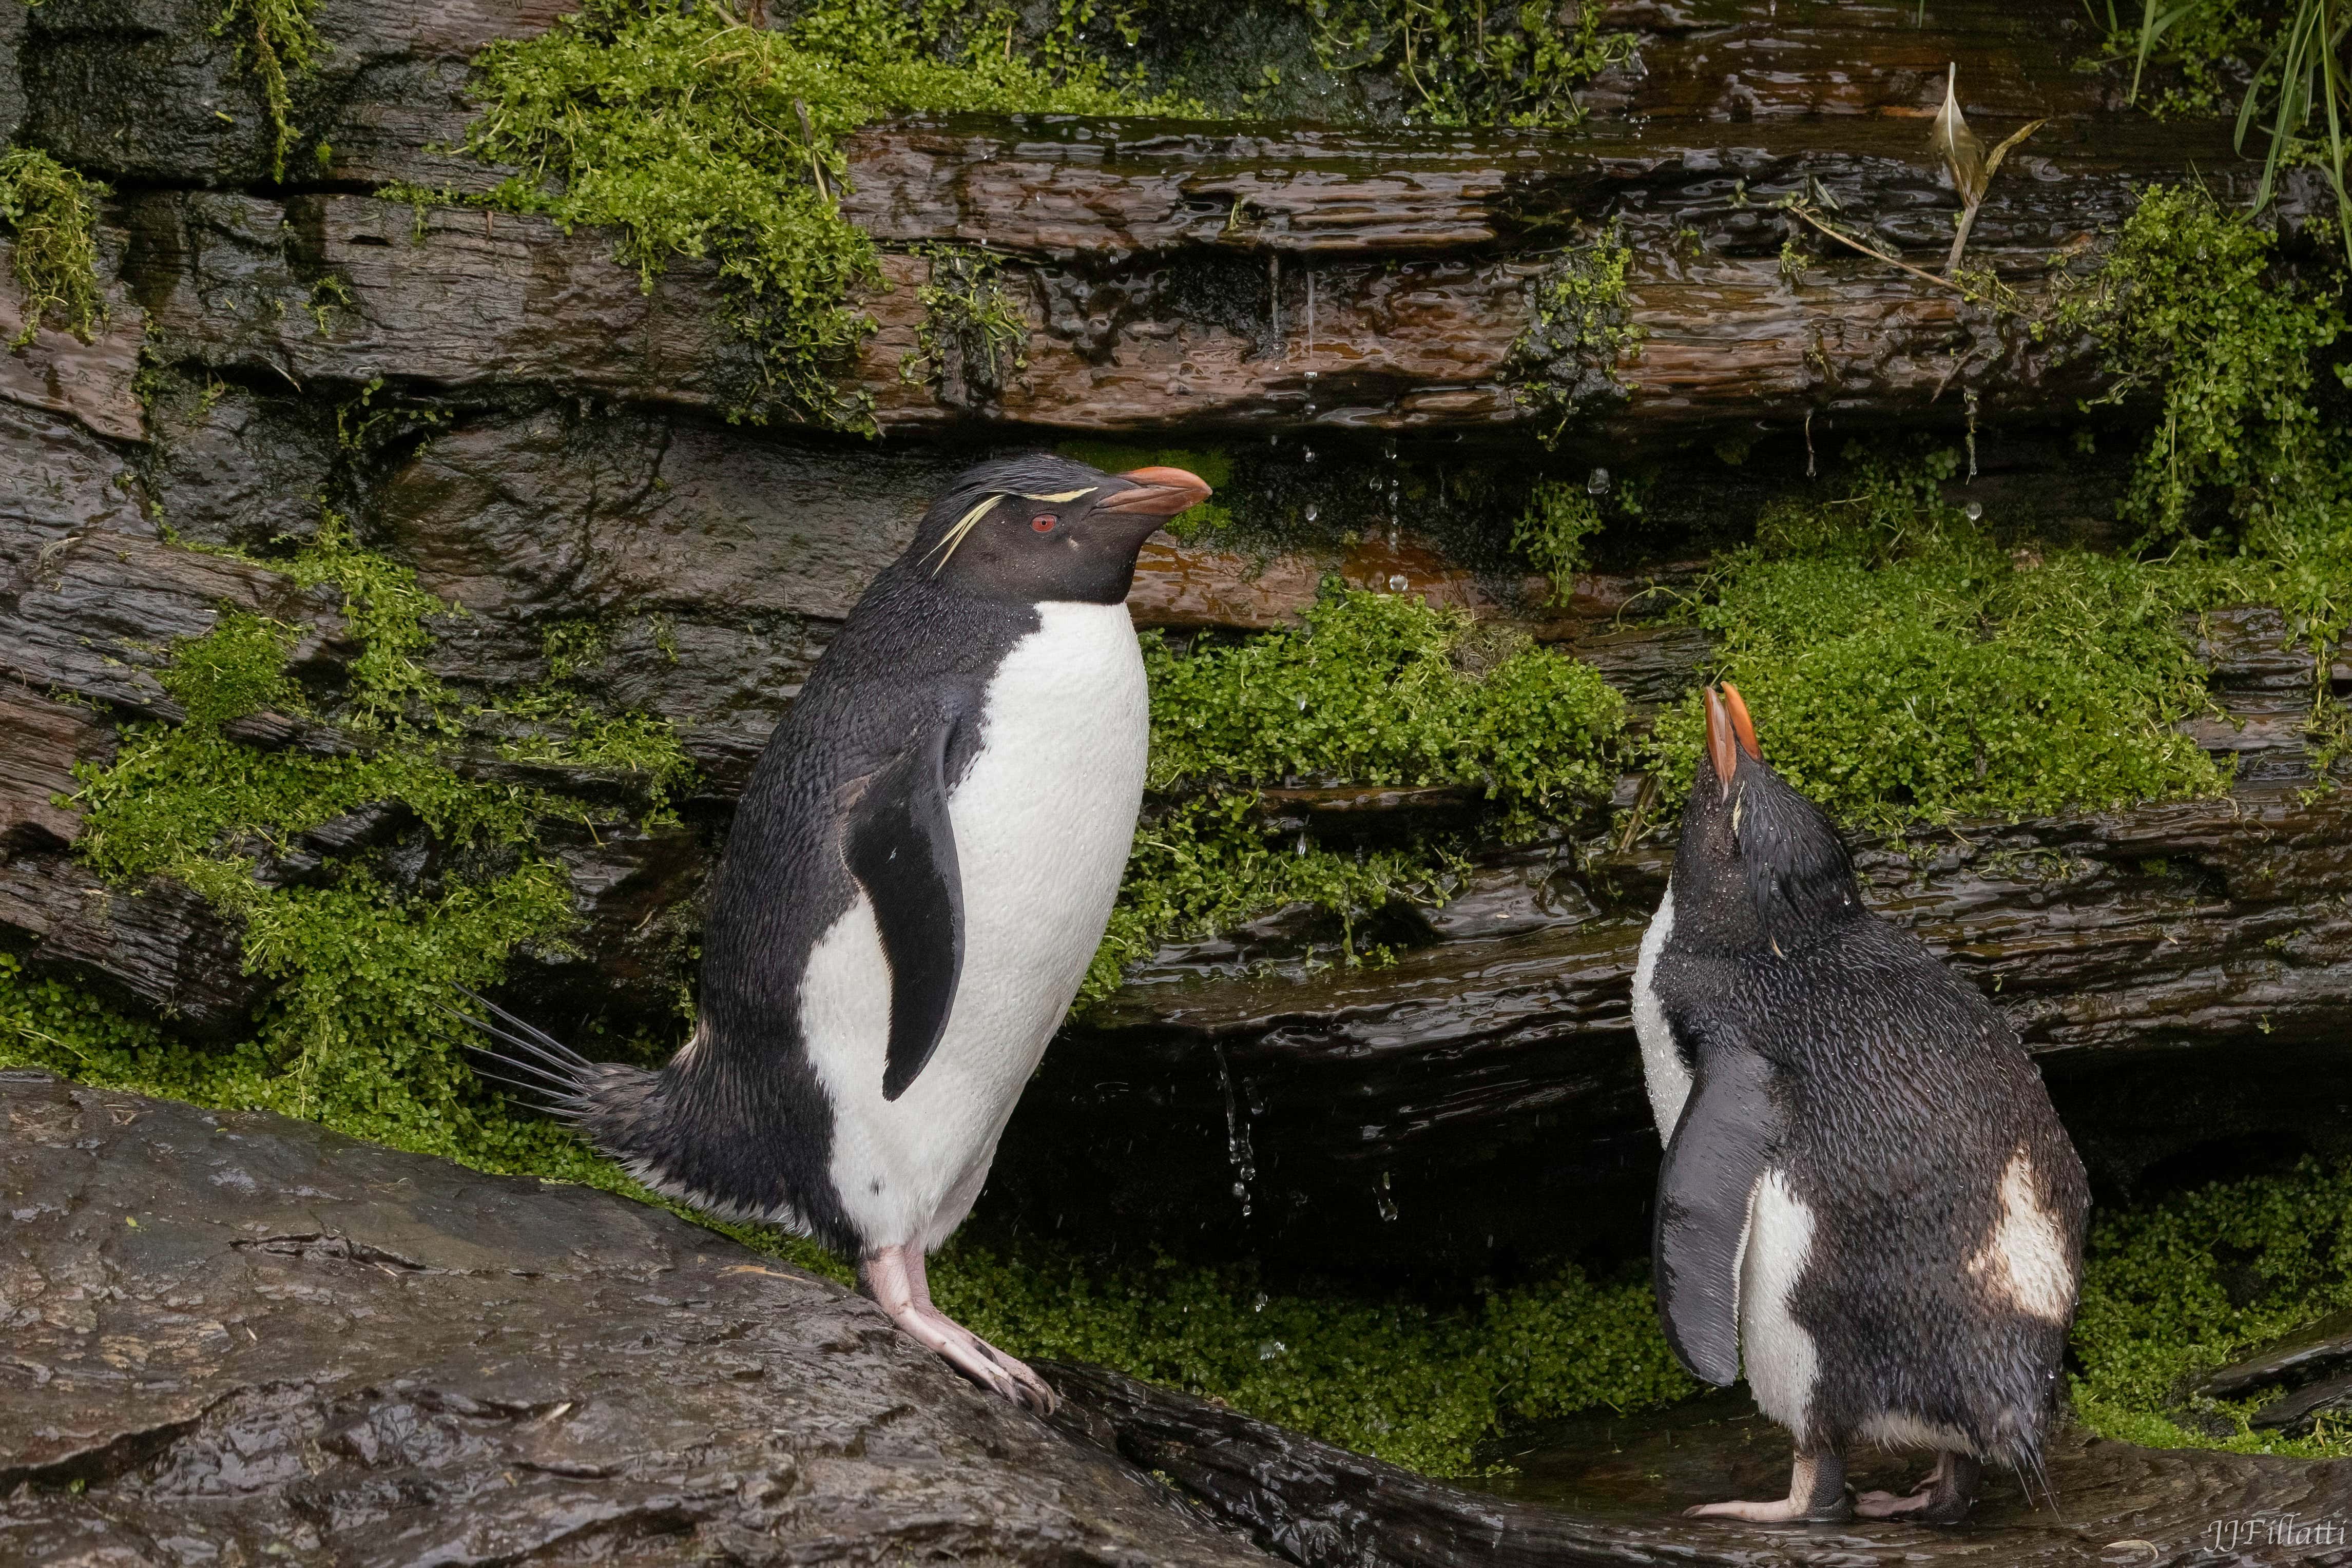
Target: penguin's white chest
[
  {"x": 1663, "y": 1073},
  {"x": 1043, "y": 818}
]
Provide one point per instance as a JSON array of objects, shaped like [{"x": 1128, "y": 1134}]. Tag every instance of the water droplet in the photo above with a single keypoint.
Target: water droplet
[
  {"x": 1387, "y": 450},
  {"x": 1302, "y": 704},
  {"x": 1597, "y": 482},
  {"x": 1259, "y": 1305},
  {"x": 1310, "y": 375},
  {"x": 1396, "y": 582},
  {"x": 1310, "y": 453},
  {"x": 1299, "y": 848},
  {"x": 1975, "y": 509},
  {"x": 1387, "y": 1206},
  {"x": 1312, "y": 511},
  {"x": 1268, "y": 1349}
]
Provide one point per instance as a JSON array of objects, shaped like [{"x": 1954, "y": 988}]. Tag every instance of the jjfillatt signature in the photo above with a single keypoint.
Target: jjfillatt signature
[{"x": 2275, "y": 1530}]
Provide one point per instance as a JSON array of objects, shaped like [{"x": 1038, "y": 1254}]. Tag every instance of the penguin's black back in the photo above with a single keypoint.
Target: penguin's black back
[{"x": 1904, "y": 1097}]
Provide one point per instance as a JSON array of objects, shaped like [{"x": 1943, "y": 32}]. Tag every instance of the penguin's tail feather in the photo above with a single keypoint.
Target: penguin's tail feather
[{"x": 564, "y": 1082}]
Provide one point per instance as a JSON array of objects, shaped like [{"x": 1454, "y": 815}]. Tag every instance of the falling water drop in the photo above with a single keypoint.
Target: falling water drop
[
  {"x": 1237, "y": 1138},
  {"x": 1311, "y": 450},
  {"x": 1298, "y": 849},
  {"x": 1597, "y": 483},
  {"x": 1975, "y": 509},
  {"x": 1312, "y": 511},
  {"x": 1302, "y": 704},
  {"x": 1311, "y": 315},
  {"x": 1396, "y": 582}
]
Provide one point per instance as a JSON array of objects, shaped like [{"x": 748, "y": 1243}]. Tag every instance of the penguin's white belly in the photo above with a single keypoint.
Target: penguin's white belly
[
  {"x": 1043, "y": 818},
  {"x": 1780, "y": 1359},
  {"x": 1663, "y": 1072}
]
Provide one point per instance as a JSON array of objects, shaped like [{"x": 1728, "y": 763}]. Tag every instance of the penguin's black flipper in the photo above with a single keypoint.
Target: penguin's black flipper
[
  {"x": 1720, "y": 1150},
  {"x": 901, "y": 848}
]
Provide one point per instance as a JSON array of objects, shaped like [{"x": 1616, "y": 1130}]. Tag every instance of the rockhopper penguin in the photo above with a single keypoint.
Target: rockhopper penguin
[
  {"x": 920, "y": 871},
  {"x": 1866, "y": 1192}
]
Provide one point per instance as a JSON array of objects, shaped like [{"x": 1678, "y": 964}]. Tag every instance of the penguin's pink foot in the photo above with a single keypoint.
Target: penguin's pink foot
[
  {"x": 1943, "y": 1498},
  {"x": 1816, "y": 1495},
  {"x": 893, "y": 1279}
]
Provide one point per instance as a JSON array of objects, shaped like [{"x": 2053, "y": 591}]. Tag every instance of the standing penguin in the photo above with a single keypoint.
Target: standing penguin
[
  {"x": 921, "y": 869},
  {"x": 1865, "y": 1189}
]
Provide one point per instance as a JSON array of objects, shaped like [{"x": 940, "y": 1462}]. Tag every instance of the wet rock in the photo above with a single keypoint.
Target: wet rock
[
  {"x": 154, "y": 90},
  {"x": 452, "y": 299},
  {"x": 156, "y": 950},
  {"x": 43, "y": 742},
  {"x": 1157, "y": 299},
  {"x": 2297, "y": 1413},
  {"x": 230, "y": 465},
  {"x": 1609, "y": 1490},
  {"x": 232, "y": 1336},
  {"x": 58, "y": 483},
  {"x": 55, "y": 370},
  {"x": 2319, "y": 1351}
]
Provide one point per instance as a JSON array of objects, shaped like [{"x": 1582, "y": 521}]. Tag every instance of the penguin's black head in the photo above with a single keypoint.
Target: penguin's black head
[
  {"x": 1044, "y": 528},
  {"x": 1759, "y": 869}
]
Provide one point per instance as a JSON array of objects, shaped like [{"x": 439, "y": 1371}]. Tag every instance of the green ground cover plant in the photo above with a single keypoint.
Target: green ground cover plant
[
  {"x": 2178, "y": 1288},
  {"x": 1379, "y": 690}
]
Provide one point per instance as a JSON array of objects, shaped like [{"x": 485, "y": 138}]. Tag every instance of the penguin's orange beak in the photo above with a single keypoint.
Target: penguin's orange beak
[
  {"x": 1730, "y": 732},
  {"x": 1158, "y": 493}
]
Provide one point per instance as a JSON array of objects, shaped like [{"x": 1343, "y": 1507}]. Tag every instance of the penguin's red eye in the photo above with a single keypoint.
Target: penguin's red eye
[{"x": 1043, "y": 522}]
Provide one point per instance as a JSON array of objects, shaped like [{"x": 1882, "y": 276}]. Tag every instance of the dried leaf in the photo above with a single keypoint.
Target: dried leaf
[{"x": 1963, "y": 153}]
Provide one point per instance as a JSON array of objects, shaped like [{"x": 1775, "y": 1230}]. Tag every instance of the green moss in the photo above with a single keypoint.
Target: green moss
[
  {"x": 696, "y": 136},
  {"x": 1467, "y": 63},
  {"x": 2173, "y": 1291},
  {"x": 351, "y": 1029},
  {"x": 1375, "y": 690},
  {"x": 277, "y": 40},
  {"x": 970, "y": 324},
  {"x": 1903, "y": 668},
  {"x": 1564, "y": 363},
  {"x": 50, "y": 212}
]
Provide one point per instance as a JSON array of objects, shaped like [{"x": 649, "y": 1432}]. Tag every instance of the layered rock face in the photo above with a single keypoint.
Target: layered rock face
[
  {"x": 238, "y": 1337},
  {"x": 503, "y": 408}
]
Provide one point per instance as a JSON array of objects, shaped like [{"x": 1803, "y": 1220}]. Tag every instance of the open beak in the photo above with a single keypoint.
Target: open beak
[
  {"x": 1730, "y": 732},
  {"x": 1158, "y": 493}
]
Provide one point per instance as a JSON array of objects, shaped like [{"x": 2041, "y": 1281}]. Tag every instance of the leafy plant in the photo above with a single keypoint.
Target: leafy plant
[
  {"x": 51, "y": 213},
  {"x": 1552, "y": 532},
  {"x": 2191, "y": 305},
  {"x": 972, "y": 331},
  {"x": 1471, "y": 66},
  {"x": 1372, "y": 689},
  {"x": 2299, "y": 92},
  {"x": 276, "y": 40}
]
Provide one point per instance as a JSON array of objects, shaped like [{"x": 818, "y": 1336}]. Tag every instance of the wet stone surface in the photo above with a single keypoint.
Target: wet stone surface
[
  {"x": 237, "y": 1338},
  {"x": 1609, "y": 1489}
]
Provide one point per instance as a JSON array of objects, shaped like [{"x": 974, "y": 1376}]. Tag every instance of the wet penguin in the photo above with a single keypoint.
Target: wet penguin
[
  {"x": 921, "y": 869},
  {"x": 1866, "y": 1193}
]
